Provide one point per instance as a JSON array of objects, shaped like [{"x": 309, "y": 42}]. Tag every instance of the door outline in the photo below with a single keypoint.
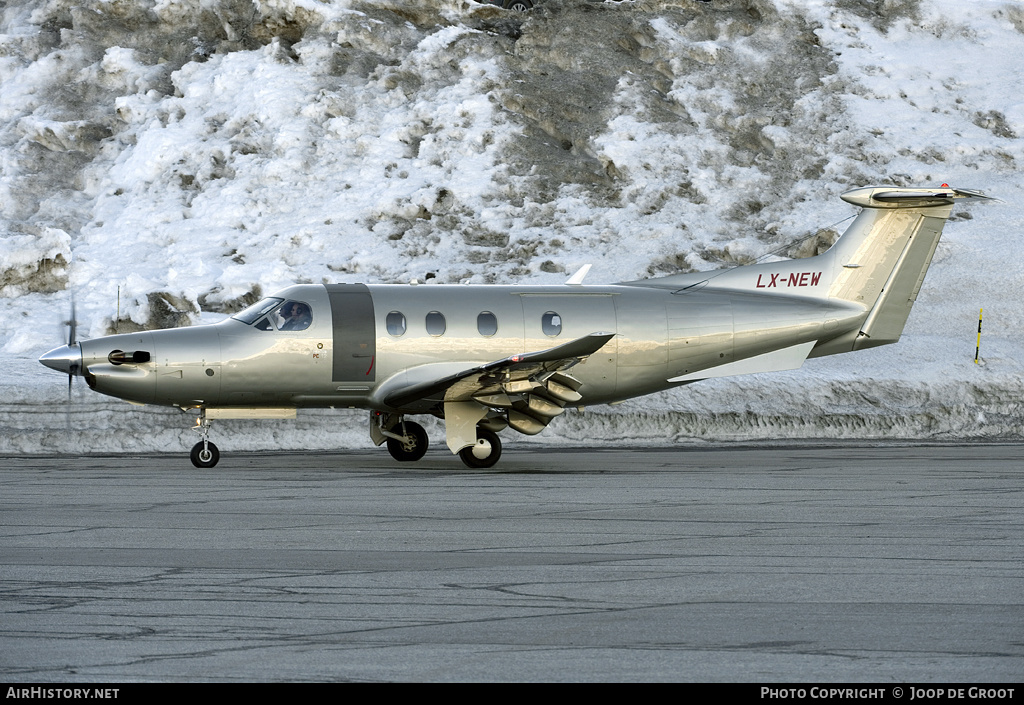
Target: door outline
[{"x": 354, "y": 357}]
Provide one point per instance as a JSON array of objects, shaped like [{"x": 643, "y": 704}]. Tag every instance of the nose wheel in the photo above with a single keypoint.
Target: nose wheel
[{"x": 204, "y": 454}]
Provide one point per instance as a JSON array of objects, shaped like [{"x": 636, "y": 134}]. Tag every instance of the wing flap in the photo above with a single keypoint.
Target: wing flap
[{"x": 499, "y": 377}]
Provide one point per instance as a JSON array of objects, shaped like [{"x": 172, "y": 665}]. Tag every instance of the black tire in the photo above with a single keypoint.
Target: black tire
[
  {"x": 207, "y": 458},
  {"x": 414, "y": 446},
  {"x": 517, "y": 5},
  {"x": 486, "y": 442}
]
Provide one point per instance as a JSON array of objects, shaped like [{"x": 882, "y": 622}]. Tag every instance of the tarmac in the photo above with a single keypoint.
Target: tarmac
[{"x": 882, "y": 563}]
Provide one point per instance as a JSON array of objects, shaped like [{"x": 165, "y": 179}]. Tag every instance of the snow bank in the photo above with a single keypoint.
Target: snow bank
[{"x": 168, "y": 161}]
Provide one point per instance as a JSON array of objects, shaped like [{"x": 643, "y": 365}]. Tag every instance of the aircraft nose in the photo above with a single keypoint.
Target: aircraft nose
[{"x": 66, "y": 359}]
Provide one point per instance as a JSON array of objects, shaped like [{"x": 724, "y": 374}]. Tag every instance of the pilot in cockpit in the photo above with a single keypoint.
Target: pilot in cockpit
[{"x": 296, "y": 316}]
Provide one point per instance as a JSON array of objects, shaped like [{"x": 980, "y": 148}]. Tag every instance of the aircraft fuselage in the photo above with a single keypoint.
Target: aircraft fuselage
[{"x": 366, "y": 340}]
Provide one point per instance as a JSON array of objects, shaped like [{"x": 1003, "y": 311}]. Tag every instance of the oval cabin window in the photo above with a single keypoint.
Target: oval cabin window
[
  {"x": 435, "y": 323},
  {"x": 487, "y": 323},
  {"x": 396, "y": 323},
  {"x": 551, "y": 324}
]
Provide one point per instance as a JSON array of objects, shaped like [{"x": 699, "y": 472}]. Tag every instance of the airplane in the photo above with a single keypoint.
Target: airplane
[{"x": 485, "y": 358}]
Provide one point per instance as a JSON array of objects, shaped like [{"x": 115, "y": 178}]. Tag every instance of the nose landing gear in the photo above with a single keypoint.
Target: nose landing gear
[{"x": 204, "y": 453}]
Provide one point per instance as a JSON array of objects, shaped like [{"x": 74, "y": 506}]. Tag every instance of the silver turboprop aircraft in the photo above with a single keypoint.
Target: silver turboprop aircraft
[{"x": 486, "y": 358}]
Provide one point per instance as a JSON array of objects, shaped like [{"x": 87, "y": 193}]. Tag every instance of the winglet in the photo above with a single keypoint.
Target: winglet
[{"x": 579, "y": 348}]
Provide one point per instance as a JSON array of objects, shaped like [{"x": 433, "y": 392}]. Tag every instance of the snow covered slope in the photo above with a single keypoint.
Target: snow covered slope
[{"x": 166, "y": 161}]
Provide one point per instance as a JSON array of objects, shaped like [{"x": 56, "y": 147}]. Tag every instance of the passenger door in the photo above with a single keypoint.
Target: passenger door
[{"x": 355, "y": 336}]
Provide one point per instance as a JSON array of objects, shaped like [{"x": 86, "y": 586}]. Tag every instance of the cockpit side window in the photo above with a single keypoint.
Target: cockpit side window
[
  {"x": 257, "y": 310},
  {"x": 294, "y": 316},
  {"x": 275, "y": 313}
]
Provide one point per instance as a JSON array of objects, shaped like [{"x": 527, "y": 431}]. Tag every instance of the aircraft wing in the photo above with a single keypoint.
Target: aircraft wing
[{"x": 490, "y": 383}]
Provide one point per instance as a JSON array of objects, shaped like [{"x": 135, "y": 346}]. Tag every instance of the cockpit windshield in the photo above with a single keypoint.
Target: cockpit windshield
[
  {"x": 257, "y": 310},
  {"x": 275, "y": 313}
]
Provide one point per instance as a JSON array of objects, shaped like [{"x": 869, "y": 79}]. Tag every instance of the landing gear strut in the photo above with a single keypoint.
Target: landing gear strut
[{"x": 204, "y": 453}]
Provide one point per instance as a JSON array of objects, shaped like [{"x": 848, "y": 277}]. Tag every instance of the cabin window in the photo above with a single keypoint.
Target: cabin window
[
  {"x": 551, "y": 323},
  {"x": 487, "y": 323},
  {"x": 396, "y": 323},
  {"x": 435, "y": 323}
]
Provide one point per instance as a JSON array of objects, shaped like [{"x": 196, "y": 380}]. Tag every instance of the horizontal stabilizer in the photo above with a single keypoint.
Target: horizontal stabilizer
[
  {"x": 789, "y": 358},
  {"x": 895, "y": 197}
]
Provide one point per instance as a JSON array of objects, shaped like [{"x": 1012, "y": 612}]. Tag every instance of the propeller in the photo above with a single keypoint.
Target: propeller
[
  {"x": 73, "y": 367},
  {"x": 67, "y": 358}
]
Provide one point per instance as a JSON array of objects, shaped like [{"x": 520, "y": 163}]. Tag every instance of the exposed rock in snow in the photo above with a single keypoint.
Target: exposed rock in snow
[{"x": 168, "y": 161}]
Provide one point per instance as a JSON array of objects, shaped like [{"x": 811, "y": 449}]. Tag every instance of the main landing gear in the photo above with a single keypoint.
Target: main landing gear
[
  {"x": 486, "y": 451},
  {"x": 407, "y": 441}
]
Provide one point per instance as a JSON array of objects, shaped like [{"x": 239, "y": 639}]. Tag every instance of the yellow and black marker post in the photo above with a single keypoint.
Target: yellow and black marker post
[{"x": 977, "y": 348}]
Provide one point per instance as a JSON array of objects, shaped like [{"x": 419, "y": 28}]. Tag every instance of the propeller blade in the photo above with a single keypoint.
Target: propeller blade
[
  {"x": 72, "y": 324},
  {"x": 72, "y": 366}
]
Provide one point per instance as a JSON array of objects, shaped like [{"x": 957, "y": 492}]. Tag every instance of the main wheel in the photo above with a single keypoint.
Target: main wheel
[
  {"x": 486, "y": 451},
  {"x": 517, "y": 5},
  {"x": 205, "y": 457},
  {"x": 412, "y": 447}
]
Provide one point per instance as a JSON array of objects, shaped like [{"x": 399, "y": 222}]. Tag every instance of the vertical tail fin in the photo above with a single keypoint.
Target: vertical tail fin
[
  {"x": 881, "y": 260},
  {"x": 871, "y": 275}
]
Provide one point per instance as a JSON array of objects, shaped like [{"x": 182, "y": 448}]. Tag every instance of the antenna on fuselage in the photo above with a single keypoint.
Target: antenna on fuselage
[{"x": 577, "y": 278}]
